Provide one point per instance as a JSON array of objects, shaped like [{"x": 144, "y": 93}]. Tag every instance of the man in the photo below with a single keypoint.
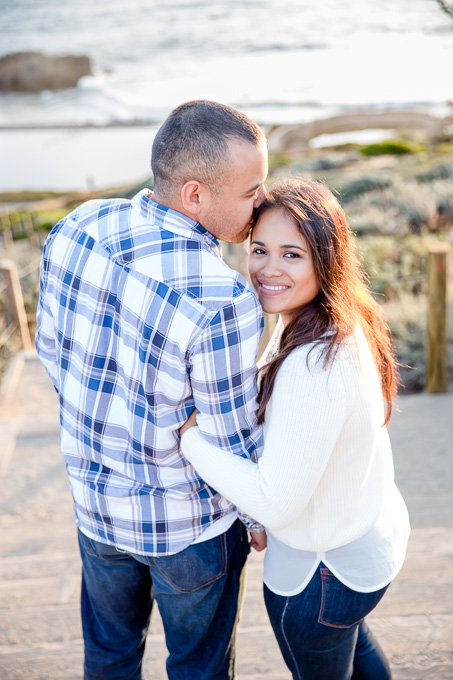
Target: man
[{"x": 140, "y": 321}]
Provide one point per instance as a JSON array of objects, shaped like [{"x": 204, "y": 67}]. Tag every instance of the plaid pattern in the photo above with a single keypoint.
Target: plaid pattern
[{"x": 139, "y": 320}]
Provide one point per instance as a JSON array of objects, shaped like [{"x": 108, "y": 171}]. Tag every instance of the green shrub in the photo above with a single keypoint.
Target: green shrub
[
  {"x": 362, "y": 186},
  {"x": 406, "y": 318},
  {"x": 404, "y": 207},
  {"x": 394, "y": 266},
  {"x": 395, "y": 147},
  {"x": 369, "y": 219},
  {"x": 331, "y": 161},
  {"x": 443, "y": 171},
  {"x": 279, "y": 161}
]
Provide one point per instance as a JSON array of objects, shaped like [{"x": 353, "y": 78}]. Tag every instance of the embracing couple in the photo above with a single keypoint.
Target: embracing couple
[{"x": 140, "y": 325}]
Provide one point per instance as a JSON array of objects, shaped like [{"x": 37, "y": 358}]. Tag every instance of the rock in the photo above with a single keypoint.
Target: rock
[{"x": 35, "y": 72}]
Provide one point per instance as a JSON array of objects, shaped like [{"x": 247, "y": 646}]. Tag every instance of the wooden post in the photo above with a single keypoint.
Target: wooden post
[
  {"x": 437, "y": 336},
  {"x": 15, "y": 225},
  {"x": 29, "y": 230},
  {"x": 6, "y": 233},
  {"x": 16, "y": 300}
]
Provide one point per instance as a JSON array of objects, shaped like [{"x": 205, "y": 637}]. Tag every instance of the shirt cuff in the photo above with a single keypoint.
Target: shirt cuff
[{"x": 250, "y": 524}]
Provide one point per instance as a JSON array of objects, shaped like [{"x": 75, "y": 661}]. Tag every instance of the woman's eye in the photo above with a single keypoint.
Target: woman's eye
[
  {"x": 258, "y": 251},
  {"x": 291, "y": 256}
]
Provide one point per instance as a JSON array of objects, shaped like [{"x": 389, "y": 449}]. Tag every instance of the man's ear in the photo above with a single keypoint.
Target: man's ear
[{"x": 194, "y": 196}]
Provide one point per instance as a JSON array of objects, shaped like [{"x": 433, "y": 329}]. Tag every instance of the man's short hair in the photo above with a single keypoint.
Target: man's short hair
[{"x": 192, "y": 143}]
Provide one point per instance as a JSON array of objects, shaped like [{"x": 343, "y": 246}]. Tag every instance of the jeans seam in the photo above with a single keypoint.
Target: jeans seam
[
  {"x": 282, "y": 626},
  {"x": 325, "y": 575},
  {"x": 324, "y": 578}
]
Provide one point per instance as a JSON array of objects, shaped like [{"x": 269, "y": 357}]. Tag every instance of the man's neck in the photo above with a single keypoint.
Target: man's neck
[{"x": 172, "y": 203}]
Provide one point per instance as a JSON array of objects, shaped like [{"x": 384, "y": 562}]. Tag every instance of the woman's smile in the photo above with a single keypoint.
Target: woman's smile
[{"x": 271, "y": 289}]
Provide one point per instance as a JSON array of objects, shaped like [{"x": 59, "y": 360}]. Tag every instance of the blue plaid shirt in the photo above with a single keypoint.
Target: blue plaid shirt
[{"x": 139, "y": 320}]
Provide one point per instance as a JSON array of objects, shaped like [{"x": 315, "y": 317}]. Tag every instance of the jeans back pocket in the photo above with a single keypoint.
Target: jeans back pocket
[
  {"x": 342, "y": 607},
  {"x": 196, "y": 566}
]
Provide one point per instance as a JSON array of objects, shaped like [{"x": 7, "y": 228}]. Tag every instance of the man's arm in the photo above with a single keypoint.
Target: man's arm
[
  {"x": 45, "y": 340},
  {"x": 223, "y": 380},
  {"x": 223, "y": 376}
]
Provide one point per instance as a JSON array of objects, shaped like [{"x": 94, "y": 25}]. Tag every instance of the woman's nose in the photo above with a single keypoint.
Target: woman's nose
[{"x": 271, "y": 268}]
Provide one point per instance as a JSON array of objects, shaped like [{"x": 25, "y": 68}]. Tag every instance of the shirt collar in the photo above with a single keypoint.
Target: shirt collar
[{"x": 172, "y": 220}]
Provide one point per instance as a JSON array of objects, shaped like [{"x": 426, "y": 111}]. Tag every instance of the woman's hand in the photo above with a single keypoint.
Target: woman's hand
[
  {"x": 190, "y": 422},
  {"x": 258, "y": 541}
]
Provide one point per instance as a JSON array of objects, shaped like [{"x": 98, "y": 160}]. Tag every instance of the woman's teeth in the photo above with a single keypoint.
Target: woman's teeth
[{"x": 273, "y": 287}]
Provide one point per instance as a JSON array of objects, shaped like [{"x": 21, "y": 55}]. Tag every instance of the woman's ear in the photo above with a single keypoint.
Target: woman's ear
[{"x": 194, "y": 197}]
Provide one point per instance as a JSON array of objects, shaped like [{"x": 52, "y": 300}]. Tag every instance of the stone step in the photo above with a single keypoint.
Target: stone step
[
  {"x": 433, "y": 671},
  {"x": 27, "y": 391},
  {"x": 32, "y": 660},
  {"x": 416, "y": 641},
  {"x": 36, "y": 592},
  {"x": 51, "y": 549},
  {"x": 53, "y": 661},
  {"x": 38, "y": 538},
  {"x": 431, "y": 511},
  {"x": 428, "y": 656},
  {"x": 40, "y": 608},
  {"x": 40, "y": 566},
  {"x": 421, "y": 643},
  {"x": 45, "y": 565}
]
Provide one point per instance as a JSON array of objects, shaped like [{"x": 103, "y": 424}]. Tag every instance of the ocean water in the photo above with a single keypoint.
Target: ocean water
[
  {"x": 280, "y": 60},
  {"x": 277, "y": 60}
]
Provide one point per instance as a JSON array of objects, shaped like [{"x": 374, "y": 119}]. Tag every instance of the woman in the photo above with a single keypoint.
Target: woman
[{"x": 324, "y": 486}]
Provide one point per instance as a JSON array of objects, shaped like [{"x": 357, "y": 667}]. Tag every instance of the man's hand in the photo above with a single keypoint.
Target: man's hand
[
  {"x": 258, "y": 541},
  {"x": 190, "y": 422}
]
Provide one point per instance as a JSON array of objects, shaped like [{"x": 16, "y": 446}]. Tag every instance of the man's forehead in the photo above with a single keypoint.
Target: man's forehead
[{"x": 241, "y": 146}]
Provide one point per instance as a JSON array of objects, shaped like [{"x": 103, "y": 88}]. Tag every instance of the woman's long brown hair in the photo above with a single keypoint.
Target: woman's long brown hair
[{"x": 343, "y": 302}]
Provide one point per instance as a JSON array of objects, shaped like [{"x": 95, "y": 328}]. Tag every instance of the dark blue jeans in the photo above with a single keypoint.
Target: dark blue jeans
[
  {"x": 198, "y": 592},
  {"x": 322, "y": 633}
]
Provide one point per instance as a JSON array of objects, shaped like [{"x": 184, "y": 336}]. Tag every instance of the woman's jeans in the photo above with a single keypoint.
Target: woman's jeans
[
  {"x": 322, "y": 634},
  {"x": 198, "y": 592}
]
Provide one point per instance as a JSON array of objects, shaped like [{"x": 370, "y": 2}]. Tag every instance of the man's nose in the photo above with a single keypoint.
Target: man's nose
[{"x": 262, "y": 194}]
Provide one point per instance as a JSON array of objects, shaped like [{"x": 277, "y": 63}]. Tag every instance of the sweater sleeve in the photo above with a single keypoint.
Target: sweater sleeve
[{"x": 308, "y": 411}]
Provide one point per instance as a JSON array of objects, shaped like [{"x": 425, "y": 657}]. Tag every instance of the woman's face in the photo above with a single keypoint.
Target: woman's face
[{"x": 280, "y": 265}]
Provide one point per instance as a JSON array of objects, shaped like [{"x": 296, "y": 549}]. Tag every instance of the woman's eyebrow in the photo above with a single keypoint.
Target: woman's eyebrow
[{"x": 284, "y": 245}]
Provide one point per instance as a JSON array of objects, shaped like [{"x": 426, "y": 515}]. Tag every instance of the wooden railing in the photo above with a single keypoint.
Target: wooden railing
[
  {"x": 16, "y": 317},
  {"x": 22, "y": 224}
]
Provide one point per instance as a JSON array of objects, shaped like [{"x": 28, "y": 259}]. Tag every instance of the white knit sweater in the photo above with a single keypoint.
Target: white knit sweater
[{"x": 326, "y": 471}]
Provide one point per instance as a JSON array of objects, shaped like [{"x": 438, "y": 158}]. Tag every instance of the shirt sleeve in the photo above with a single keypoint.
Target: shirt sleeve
[
  {"x": 45, "y": 340},
  {"x": 308, "y": 412},
  {"x": 222, "y": 366}
]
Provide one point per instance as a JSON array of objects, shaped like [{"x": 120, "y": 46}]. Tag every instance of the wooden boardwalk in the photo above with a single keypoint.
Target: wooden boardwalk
[{"x": 40, "y": 632}]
